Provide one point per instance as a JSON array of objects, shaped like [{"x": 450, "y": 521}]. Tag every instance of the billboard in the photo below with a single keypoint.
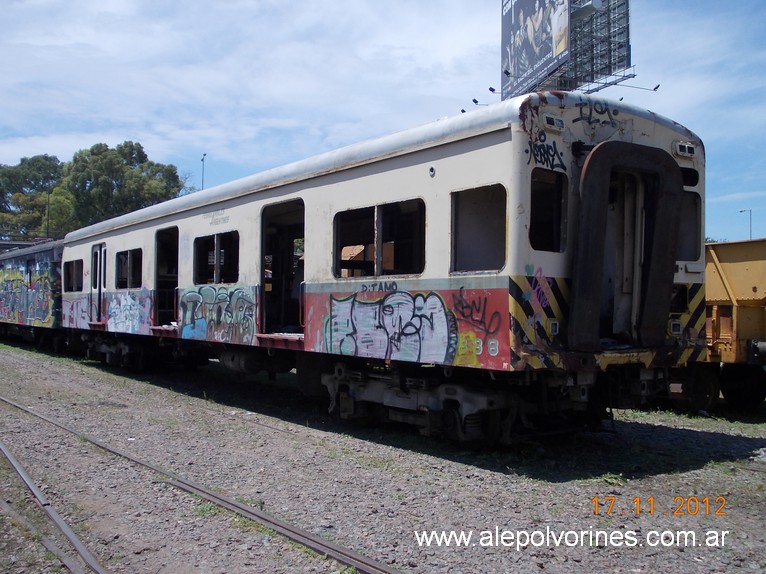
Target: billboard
[{"x": 535, "y": 42}]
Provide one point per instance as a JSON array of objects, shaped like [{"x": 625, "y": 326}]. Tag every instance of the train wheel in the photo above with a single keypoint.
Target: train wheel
[
  {"x": 492, "y": 426},
  {"x": 699, "y": 387},
  {"x": 59, "y": 344},
  {"x": 451, "y": 423},
  {"x": 743, "y": 386}
]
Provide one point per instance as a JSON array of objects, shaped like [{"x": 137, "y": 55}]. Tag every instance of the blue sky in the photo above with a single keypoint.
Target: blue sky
[{"x": 259, "y": 83}]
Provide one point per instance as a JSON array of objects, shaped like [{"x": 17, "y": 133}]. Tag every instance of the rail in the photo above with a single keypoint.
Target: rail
[
  {"x": 55, "y": 517},
  {"x": 343, "y": 555}
]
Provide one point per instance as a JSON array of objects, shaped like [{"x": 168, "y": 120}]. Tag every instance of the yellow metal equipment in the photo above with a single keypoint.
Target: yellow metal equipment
[{"x": 735, "y": 289}]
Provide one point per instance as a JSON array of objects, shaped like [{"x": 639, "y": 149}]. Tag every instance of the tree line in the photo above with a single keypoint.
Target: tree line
[{"x": 43, "y": 197}]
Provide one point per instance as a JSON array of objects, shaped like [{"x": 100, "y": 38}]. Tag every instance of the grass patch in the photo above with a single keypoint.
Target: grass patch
[{"x": 207, "y": 510}]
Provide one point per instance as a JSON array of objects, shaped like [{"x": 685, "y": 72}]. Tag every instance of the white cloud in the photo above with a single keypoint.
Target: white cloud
[
  {"x": 743, "y": 196},
  {"x": 256, "y": 83},
  {"x": 222, "y": 77}
]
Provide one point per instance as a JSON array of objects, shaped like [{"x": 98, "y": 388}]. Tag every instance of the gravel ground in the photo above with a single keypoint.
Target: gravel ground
[{"x": 370, "y": 489}]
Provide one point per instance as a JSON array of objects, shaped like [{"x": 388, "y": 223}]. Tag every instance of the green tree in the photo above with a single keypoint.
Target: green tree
[
  {"x": 62, "y": 212},
  {"x": 24, "y": 194},
  {"x": 101, "y": 183}
]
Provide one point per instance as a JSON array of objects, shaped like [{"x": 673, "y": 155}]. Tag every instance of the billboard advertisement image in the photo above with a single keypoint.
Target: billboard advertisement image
[{"x": 535, "y": 42}]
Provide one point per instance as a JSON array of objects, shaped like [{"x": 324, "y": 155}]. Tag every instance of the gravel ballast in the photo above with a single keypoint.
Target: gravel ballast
[{"x": 370, "y": 489}]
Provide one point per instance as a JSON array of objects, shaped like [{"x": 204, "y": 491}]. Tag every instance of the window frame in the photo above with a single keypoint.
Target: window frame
[
  {"x": 556, "y": 240},
  {"x": 225, "y": 267},
  {"x": 379, "y": 239},
  {"x": 128, "y": 261},
  {"x": 690, "y": 228},
  {"x": 461, "y": 222},
  {"x": 70, "y": 267}
]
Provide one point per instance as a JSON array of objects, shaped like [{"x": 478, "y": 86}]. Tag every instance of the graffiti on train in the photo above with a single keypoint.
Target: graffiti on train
[
  {"x": 544, "y": 153},
  {"x": 26, "y": 303},
  {"x": 598, "y": 119},
  {"x": 130, "y": 312},
  {"x": 540, "y": 287},
  {"x": 398, "y": 326},
  {"x": 225, "y": 315},
  {"x": 596, "y": 112},
  {"x": 476, "y": 312},
  {"x": 76, "y": 311}
]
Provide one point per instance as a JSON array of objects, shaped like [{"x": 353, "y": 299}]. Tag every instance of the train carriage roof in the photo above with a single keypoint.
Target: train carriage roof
[
  {"x": 25, "y": 252},
  {"x": 483, "y": 120}
]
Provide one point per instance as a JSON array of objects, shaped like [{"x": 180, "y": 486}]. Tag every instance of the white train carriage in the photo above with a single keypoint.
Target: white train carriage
[{"x": 473, "y": 274}]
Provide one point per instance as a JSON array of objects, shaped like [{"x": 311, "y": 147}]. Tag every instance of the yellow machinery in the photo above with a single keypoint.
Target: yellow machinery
[{"x": 735, "y": 289}]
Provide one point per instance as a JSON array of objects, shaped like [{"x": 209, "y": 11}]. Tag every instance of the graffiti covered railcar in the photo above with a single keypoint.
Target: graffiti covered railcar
[
  {"x": 479, "y": 274},
  {"x": 30, "y": 290}
]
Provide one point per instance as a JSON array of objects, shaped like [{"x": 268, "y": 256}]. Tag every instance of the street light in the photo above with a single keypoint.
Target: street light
[
  {"x": 750, "y": 211},
  {"x": 48, "y": 216},
  {"x": 203, "y": 170}
]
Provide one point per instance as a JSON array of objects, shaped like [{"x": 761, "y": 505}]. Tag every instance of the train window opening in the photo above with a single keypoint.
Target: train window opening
[
  {"x": 547, "y": 226},
  {"x": 73, "y": 276},
  {"x": 228, "y": 253},
  {"x": 386, "y": 239},
  {"x": 204, "y": 260},
  {"x": 402, "y": 242},
  {"x": 282, "y": 265},
  {"x": 355, "y": 243},
  {"x": 690, "y": 228},
  {"x": 691, "y": 176},
  {"x": 216, "y": 258},
  {"x": 479, "y": 229},
  {"x": 128, "y": 269},
  {"x": 94, "y": 270},
  {"x": 166, "y": 274},
  {"x": 679, "y": 300},
  {"x": 31, "y": 269}
]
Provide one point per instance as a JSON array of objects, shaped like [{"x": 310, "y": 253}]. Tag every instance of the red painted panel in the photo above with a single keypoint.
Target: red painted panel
[{"x": 460, "y": 327}]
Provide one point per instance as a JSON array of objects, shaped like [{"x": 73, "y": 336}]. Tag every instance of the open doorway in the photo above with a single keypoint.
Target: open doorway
[
  {"x": 97, "y": 283},
  {"x": 623, "y": 268},
  {"x": 166, "y": 275},
  {"x": 282, "y": 267}
]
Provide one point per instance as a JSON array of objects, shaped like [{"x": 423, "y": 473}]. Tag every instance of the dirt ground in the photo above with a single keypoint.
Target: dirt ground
[{"x": 658, "y": 491}]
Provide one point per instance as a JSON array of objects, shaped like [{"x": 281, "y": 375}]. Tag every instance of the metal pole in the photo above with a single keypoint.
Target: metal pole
[
  {"x": 203, "y": 170},
  {"x": 750, "y": 213}
]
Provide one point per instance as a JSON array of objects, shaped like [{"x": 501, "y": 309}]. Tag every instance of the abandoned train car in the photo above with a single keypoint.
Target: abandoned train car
[
  {"x": 30, "y": 292},
  {"x": 511, "y": 268}
]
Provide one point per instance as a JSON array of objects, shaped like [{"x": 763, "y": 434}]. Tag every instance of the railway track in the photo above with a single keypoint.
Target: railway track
[
  {"x": 311, "y": 541},
  {"x": 60, "y": 524}
]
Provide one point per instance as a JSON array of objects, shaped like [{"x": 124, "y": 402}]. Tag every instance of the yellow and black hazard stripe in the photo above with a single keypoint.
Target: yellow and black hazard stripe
[
  {"x": 697, "y": 317},
  {"x": 539, "y": 307},
  {"x": 539, "y": 310},
  {"x": 690, "y": 326}
]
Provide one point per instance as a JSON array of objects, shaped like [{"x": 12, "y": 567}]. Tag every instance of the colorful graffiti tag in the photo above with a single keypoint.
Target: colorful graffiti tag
[
  {"x": 539, "y": 307},
  {"x": 224, "y": 315},
  {"x": 399, "y": 326},
  {"x": 75, "y": 311},
  {"x": 28, "y": 302},
  {"x": 130, "y": 312}
]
